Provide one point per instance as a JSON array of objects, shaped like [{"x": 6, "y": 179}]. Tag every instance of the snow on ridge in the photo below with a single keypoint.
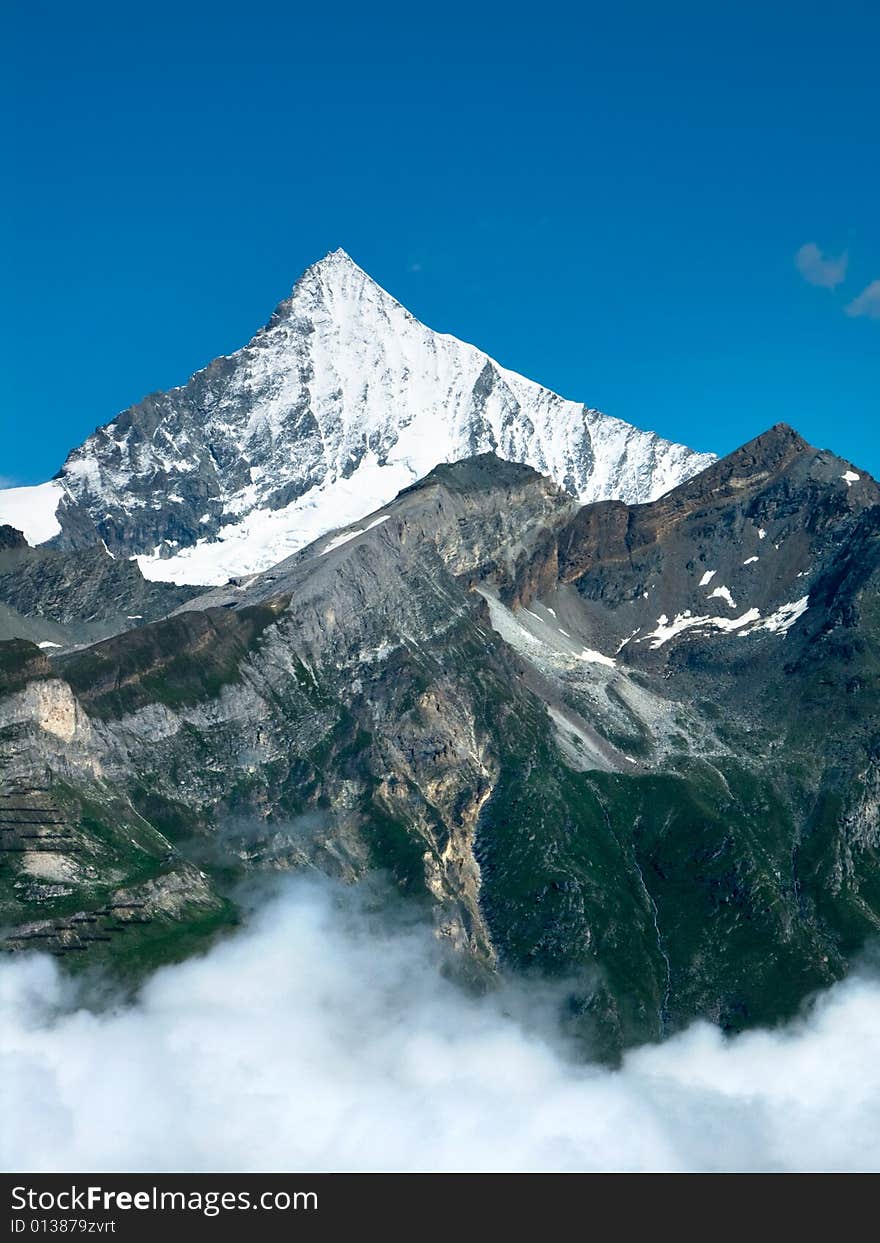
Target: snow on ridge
[
  {"x": 265, "y": 537},
  {"x": 350, "y": 535},
  {"x": 342, "y": 400},
  {"x": 32, "y": 510}
]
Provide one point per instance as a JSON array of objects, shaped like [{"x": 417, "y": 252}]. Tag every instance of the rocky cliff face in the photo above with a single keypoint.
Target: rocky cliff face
[
  {"x": 342, "y": 400},
  {"x": 632, "y": 746},
  {"x": 61, "y": 599}
]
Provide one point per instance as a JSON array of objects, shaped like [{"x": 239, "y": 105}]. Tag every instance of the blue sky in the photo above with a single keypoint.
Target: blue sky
[{"x": 607, "y": 198}]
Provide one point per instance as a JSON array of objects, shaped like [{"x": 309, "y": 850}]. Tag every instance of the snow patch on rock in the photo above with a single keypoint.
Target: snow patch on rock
[
  {"x": 749, "y": 622},
  {"x": 723, "y": 593}
]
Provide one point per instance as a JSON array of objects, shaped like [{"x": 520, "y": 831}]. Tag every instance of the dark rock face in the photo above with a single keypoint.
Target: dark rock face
[
  {"x": 66, "y": 598},
  {"x": 11, "y": 539},
  {"x": 21, "y": 662},
  {"x": 634, "y": 746}
]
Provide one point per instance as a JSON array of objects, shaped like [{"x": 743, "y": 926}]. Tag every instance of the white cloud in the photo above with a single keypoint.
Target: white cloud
[
  {"x": 867, "y": 303},
  {"x": 820, "y": 269},
  {"x": 321, "y": 1039}
]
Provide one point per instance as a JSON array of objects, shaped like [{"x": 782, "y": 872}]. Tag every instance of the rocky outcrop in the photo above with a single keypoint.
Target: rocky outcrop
[
  {"x": 11, "y": 539},
  {"x": 21, "y": 663},
  {"x": 63, "y": 599}
]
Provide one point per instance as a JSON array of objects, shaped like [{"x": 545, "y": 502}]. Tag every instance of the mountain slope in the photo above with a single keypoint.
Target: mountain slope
[
  {"x": 338, "y": 403},
  {"x": 61, "y": 598},
  {"x": 474, "y": 690}
]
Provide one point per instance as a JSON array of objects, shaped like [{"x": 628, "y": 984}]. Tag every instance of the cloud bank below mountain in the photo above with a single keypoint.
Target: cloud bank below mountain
[{"x": 323, "y": 1037}]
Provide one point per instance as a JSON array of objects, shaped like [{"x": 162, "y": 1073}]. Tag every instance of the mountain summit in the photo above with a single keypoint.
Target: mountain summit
[{"x": 340, "y": 401}]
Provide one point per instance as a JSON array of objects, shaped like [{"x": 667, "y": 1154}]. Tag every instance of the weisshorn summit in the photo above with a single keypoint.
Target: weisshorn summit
[
  {"x": 340, "y": 401},
  {"x": 601, "y": 730}
]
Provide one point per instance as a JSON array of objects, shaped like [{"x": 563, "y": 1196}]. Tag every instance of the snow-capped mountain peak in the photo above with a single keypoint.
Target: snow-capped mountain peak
[{"x": 340, "y": 401}]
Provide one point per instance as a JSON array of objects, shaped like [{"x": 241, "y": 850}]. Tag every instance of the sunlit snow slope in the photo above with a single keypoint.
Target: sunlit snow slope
[
  {"x": 342, "y": 400},
  {"x": 32, "y": 510}
]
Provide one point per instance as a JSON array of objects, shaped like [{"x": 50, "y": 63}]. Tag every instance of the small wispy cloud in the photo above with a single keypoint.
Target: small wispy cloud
[
  {"x": 866, "y": 304},
  {"x": 820, "y": 269}
]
